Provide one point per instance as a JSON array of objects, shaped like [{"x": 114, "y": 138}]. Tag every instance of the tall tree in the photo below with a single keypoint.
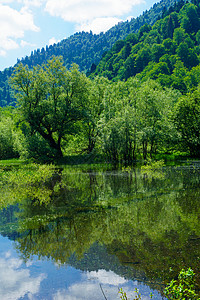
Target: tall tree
[
  {"x": 51, "y": 99},
  {"x": 187, "y": 121}
]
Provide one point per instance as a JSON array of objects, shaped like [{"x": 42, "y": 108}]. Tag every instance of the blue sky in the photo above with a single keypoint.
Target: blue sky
[{"x": 27, "y": 25}]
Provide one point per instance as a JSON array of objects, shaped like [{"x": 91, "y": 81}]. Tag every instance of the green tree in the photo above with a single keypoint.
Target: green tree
[
  {"x": 142, "y": 59},
  {"x": 187, "y": 55},
  {"x": 187, "y": 121},
  {"x": 193, "y": 77},
  {"x": 189, "y": 18},
  {"x": 179, "y": 35},
  {"x": 158, "y": 51},
  {"x": 11, "y": 138},
  {"x": 155, "y": 129},
  {"x": 169, "y": 46},
  {"x": 117, "y": 123},
  {"x": 7, "y": 149},
  {"x": 178, "y": 76},
  {"x": 198, "y": 37},
  {"x": 168, "y": 27},
  {"x": 89, "y": 126},
  {"x": 51, "y": 100}
]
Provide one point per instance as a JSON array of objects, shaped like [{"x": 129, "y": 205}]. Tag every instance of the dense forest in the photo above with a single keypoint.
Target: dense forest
[
  {"x": 82, "y": 48},
  {"x": 167, "y": 52},
  {"x": 141, "y": 101}
]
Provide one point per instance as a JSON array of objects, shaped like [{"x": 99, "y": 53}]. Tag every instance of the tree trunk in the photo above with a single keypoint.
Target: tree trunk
[
  {"x": 52, "y": 143},
  {"x": 144, "y": 146}
]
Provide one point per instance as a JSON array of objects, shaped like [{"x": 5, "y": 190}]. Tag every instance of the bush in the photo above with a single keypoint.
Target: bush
[
  {"x": 184, "y": 287},
  {"x": 181, "y": 289}
]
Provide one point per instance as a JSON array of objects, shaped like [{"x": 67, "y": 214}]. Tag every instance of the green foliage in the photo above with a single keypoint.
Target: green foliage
[
  {"x": 145, "y": 225},
  {"x": 153, "y": 169},
  {"x": 184, "y": 287},
  {"x": 62, "y": 112},
  {"x": 83, "y": 48},
  {"x": 136, "y": 121},
  {"x": 123, "y": 295},
  {"x": 68, "y": 113},
  {"x": 88, "y": 129},
  {"x": 27, "y": 182},
  {"x": 181, "y": 289},
  {"x": 11, "y": 138},
  {"x": 173, "y": 35},
  {"x": 7, "y": 149},
  {"x": 137, "y": 296},
  {"x": 37, "y": 148},
  {"x": 187, "y": 121},
  {"x": 189, "y": 16},
  {"x": 51, "y": 100}
]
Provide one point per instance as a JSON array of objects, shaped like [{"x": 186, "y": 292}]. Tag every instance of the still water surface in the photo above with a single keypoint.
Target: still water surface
[{"x": 80, "y": 232}]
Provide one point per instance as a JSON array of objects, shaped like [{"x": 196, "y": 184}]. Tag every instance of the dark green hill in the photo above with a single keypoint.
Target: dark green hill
[
  {"x": 85, "y": 49},
  {"x": 168, "y": 51}
]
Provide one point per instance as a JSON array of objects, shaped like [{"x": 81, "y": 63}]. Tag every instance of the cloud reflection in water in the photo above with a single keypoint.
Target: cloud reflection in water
[
  {"x": 89, "y": 287},
  {"x": 16, "y": 280}
]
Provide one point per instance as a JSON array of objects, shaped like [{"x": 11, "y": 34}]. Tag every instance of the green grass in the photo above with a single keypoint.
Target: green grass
[{"x": 13, "y": 162}]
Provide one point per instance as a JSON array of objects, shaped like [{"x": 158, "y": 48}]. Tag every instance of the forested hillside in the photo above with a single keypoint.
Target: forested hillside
[
  {"x": 83, "y": 48},
  {"x": 147, "y": 107},
  {"x": 168, "y": 51}
]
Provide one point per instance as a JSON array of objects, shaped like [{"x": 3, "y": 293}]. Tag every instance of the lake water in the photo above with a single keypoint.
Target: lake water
[{"x": 85, "y": 232}]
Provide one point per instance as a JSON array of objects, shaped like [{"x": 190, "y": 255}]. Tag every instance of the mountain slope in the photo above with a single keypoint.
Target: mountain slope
[
  {"x": 168, "y": 51},
  {"x": 84, "y": 49}
]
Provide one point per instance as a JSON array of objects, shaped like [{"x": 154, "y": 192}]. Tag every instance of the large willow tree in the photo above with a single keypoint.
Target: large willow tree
[{"x": 51, "y": 99}]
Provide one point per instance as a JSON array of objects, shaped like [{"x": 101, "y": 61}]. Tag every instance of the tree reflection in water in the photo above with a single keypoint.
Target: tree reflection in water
[{"x": 120, "y": 221}]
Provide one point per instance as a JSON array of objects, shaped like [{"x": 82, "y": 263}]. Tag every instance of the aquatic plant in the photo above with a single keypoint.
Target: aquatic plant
[
  {"x": 183, "y": 287},
  {"x": 137, "y": 296},
  {"x": 29, "y": 182},
  {"x": 153, "y": 169}
]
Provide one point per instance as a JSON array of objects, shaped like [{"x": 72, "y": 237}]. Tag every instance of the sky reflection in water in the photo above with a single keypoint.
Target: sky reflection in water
[
  {"x": 93, "y": 229},
  {"x": 39, "y": 279}
]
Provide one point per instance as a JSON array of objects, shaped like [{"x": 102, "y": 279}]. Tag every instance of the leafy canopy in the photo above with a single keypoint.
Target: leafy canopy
[{"x": 51, "y": 99}]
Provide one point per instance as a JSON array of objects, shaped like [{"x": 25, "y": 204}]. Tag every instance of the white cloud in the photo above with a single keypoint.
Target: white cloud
[
  {"x": 106, "y": 277},
  {"x": 2, "y": 52},
  {"x": 79, "y": 11},
  {"x": 92, "y": 290},
  {"x": 8, "y": 44},
  {"x": 8, "y": 254},
  {"x": 26, "y": 44},
  {"x": 33, "y": 3},
  {"x": 86, "y": 290},
  {"x": 95, "y": 15},
  {"x": 89, "y": 287},
  {"x": 98, "y": 25},
  {"x": 6, "y": 1},
  {"x": 53, "y": 41},
  {"x": 13, "y": 25},
  {"x": 16, "y": 282},
  {"x": 26, "y": 3}
]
